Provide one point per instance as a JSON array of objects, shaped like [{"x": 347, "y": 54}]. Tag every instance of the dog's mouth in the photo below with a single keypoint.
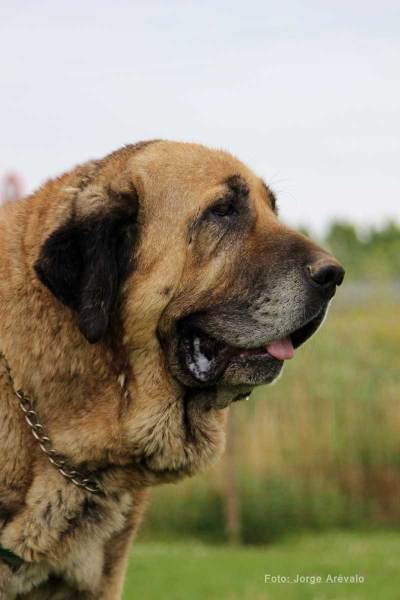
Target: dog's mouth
[{"x": 207, "y": 359}]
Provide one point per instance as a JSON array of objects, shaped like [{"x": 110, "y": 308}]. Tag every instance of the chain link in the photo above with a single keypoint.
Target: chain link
[{"x": 40, "y": 434}]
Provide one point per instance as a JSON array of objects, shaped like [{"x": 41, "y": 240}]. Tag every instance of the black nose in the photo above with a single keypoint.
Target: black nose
[{"x": 326, "y": 274}]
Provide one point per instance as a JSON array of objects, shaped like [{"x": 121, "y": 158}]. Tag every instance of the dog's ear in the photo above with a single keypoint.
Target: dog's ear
[{"x": 86, "y": 258}]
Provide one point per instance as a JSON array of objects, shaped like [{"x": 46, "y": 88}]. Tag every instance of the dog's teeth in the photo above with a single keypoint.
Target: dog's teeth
[{"x": 201, "y": 365}]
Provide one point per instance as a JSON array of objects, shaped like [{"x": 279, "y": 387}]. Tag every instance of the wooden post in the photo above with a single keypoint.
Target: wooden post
[{"x": 231, "y": 488}]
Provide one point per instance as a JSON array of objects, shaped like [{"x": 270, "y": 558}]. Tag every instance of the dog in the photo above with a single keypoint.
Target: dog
[{"x": 140, "y": 296}]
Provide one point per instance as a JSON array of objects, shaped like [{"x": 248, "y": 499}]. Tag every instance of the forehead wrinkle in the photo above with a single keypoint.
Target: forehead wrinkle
[{"x": 222, "y": 190}]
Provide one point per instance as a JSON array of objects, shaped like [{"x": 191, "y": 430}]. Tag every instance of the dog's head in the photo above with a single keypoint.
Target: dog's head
[{"x": 185, "y": 243}]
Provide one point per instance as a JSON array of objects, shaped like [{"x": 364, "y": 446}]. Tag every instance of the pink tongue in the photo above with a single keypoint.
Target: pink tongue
[{"x": 281, "y": 349}]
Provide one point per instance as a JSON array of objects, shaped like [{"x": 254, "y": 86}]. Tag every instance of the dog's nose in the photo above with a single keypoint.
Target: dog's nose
[{"x": 326, "y": 273}]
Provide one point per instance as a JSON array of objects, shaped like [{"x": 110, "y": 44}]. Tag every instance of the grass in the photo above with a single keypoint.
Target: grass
[{"x": 176, "y": 571}]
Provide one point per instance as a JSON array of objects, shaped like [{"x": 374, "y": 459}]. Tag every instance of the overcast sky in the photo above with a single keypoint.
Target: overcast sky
[{"x": 306, "y": 93}]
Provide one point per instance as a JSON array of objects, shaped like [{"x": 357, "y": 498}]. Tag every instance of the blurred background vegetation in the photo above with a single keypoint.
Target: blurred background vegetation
[{"x": 319, "y": 452}]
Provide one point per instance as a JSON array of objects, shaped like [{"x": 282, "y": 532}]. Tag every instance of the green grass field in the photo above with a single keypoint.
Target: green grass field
[{"x": 176, "y": 571}]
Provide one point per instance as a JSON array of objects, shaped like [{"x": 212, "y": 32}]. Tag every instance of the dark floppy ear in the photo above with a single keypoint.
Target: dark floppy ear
[{"x": 85, "y": 259}]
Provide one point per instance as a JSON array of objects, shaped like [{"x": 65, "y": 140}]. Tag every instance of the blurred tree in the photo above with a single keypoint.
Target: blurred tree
[{"x": 374, "y": 257}]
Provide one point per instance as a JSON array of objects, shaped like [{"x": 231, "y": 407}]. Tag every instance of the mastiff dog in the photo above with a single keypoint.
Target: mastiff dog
[{"x": 140, "y": 295}]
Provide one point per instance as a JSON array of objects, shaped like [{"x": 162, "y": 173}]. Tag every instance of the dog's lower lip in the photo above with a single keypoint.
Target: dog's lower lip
[{"x": 256, "y": 352}]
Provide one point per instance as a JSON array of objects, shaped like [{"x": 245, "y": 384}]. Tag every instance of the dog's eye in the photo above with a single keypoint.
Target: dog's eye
[{"x": 224, "y": 210}]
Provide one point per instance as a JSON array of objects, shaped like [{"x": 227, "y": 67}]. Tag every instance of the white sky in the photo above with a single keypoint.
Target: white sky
[{"x": 307, "y": 93}]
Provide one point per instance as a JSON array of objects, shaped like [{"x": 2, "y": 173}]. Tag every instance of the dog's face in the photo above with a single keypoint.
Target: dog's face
[{"x": 186, "y": 244}]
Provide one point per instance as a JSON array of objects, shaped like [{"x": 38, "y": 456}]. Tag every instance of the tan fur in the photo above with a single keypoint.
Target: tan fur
[{"x": 113, "y": 406}]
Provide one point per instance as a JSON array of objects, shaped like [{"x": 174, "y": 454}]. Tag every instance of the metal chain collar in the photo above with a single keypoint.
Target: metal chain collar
[{"x": 40, "y": 434}]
